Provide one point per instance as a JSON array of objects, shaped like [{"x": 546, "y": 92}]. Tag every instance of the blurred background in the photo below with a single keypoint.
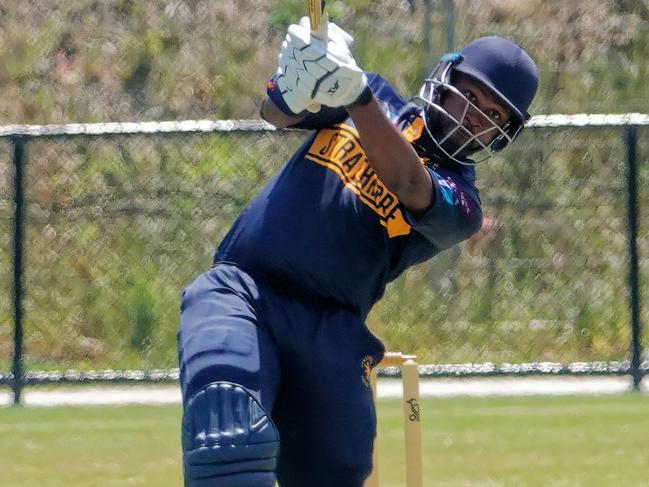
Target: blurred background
[{"x": 114, "y": 226}]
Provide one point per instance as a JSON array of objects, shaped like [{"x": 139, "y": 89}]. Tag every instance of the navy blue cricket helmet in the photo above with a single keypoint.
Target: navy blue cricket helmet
[{"x": 504, "y": 69}]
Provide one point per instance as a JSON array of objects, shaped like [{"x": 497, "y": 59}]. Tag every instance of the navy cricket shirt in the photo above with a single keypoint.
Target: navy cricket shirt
[{"x": 326, "y": 227}]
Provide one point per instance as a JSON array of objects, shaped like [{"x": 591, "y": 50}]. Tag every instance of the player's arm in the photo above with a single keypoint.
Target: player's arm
[
  {"x": 326, "y": 67},
  {"x": 273, "y": 115},
  {"x": 325, "y": 117},
  {"x": 289, "y": 92},
  {"x": 393, "y": 159}
]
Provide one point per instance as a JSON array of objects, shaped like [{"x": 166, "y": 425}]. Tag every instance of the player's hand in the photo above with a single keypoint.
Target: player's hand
[
  {"x": 340, "y": 80},
  {"x": 318, "y": 68},
  {"x": 294, "y": 80}
]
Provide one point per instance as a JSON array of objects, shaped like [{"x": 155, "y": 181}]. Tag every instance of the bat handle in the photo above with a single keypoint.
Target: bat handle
[{"x": 316, "y": 7}]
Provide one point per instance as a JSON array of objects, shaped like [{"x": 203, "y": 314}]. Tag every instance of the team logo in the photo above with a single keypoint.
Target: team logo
[
  {"x": 367, "y": 364},
  {"x": 334, "y": 88},
  {"x": 453, "y": 195},
  {"x": 339, "y": 150}
]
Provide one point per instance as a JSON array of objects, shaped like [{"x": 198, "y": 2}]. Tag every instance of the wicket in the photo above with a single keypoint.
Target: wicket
[{"x": 411, "y": 418}]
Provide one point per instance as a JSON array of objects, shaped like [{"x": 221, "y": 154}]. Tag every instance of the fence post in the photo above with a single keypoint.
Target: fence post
[
  {"x": 18, "y": 265},
  {"x": 428, "y": 40},
  {"x": 631, "y": 136},
  {"x": 450, "y": 25}
]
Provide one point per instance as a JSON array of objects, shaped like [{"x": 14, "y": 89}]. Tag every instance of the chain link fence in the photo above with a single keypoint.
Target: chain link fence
[
  {"x": 117, "y": 224},
  {"x": 116, "y": 227},
  {"x": 546, "y": 279}
]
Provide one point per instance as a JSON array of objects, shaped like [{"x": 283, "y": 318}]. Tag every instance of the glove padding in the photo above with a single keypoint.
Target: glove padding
[
  {"x": 294, "y": 82},
  {"x": 318, "y": 68}
]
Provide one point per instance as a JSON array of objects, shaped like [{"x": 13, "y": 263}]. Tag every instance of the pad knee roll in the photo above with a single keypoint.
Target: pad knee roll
[{"x": 228, "y": 439}]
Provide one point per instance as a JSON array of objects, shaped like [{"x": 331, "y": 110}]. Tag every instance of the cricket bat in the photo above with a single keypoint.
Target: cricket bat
[{"x": 315, "y": 8}]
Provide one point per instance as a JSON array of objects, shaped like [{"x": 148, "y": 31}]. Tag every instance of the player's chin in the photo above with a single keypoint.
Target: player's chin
[
  {"x": 459, "y": 139},
  {"x": 458, "y": 144}
]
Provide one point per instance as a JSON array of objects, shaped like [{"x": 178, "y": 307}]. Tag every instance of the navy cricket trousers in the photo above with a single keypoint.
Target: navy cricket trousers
[{"x": 305, "y": 362}]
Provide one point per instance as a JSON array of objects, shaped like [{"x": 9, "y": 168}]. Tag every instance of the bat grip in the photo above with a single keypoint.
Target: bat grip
[{"x": 316, "y": 7}]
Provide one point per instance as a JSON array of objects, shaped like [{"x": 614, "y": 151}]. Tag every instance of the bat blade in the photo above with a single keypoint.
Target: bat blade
[{"x": 315, "y": 8}]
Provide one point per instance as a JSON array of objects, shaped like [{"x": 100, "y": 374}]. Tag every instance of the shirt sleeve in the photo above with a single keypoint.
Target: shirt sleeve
[{"x": 455, "y": 215}]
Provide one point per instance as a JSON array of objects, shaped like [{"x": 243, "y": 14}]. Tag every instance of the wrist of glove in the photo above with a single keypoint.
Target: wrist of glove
[
  {"x": 363, "y": 99},
  {"x": 318, "y": 69}
]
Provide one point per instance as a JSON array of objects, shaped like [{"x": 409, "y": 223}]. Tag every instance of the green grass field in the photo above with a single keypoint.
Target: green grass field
[{"x": 533, "y": 441}]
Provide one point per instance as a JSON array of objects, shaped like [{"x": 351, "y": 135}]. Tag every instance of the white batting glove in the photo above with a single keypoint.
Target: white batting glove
[
  {"x": 339, "y": 79},
  {"x": 295, "y": 82},
  {"x": 344, "y": 80},
  {"x": 318, "y": 68},
  {"x": 336, "y": 34}
]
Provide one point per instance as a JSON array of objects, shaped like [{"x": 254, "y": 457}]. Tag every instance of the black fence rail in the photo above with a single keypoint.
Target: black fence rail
[{"x": 105, "y": 223}]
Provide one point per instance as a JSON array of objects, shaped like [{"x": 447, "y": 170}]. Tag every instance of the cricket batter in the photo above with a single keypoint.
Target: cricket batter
[{"x": 273, "y": 348}]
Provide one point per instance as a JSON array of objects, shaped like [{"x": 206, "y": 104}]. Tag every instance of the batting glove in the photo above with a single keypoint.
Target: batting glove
[
  {"x": 318, "y": 68},
  {"x": 340, "y": 81},
  {"x": 294, "y": 79}
]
